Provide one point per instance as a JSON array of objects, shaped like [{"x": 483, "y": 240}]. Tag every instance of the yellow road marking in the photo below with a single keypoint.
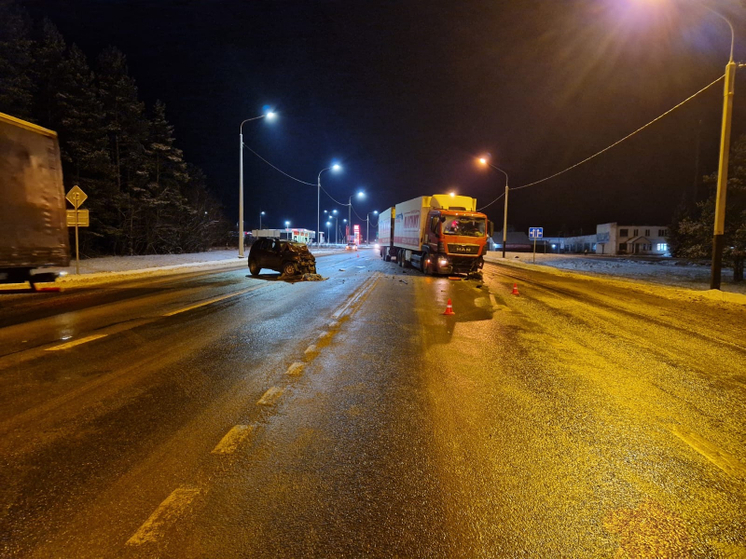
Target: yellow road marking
[
  {"x": 270, "y": 396},
  {"x": 233, "y": 438},
  {"x": 310, "y": 349},
  {"x": 726, "y": 462},
  {"x": 211, "y": 301},
  {"x": 76, "y": 342},
  {"x": 295, "y": 369},
  {"x": 167, "y": 513}
]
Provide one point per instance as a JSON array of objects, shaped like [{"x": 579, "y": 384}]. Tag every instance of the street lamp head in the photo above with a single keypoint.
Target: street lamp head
[
  {"x": 375, "y": 212},
  {"x": 287, "y": 224},
  {"x": 336, "y": 167},
  {"x": 271, "y": 115},
  {"x": 334, "y": 211},
  {"x": 361, "y": 194},
  {"x": 262, "y": 213},
  {"x": 483, "y": 160}
]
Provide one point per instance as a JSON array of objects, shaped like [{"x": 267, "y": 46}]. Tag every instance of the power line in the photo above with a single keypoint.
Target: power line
[{"x": 627, "y": 137}]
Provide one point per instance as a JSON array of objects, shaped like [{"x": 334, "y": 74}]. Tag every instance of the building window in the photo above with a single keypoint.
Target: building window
[
  {"x": 647, "y": 232},
  {"x": 635, "y": 232},
  {"x": 663, "y": 232},
  {"x": 622, "y": 247},
  {"x": 662, "y": 247},
  {"x": 624, "y": 232}
]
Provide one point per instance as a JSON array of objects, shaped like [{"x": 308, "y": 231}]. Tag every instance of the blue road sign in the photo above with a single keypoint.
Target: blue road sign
[{"x": 535, "y": 233}]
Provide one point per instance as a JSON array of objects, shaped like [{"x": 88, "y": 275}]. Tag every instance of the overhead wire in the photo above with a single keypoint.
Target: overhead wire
[{"x": 627, "y": 137}]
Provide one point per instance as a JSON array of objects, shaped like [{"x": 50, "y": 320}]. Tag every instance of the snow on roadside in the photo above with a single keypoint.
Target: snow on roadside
[{"x": 681, "y": 281}]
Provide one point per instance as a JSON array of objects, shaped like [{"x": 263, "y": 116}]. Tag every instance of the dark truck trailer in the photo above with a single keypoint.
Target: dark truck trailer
[{"x": 33, "y": 217}]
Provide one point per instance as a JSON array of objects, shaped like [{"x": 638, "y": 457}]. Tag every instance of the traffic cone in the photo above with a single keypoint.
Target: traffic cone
[
  {"x": 515, "y": 289},
  {"x": 449, "y": 309}
]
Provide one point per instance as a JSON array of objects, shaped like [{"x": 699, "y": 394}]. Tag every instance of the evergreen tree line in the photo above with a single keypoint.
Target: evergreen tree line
[
  {"x": 692, "y": 227},
  {"x": 142, "y": 196}
]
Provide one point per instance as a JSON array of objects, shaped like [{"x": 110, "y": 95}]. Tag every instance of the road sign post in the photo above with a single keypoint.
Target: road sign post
[
  {"x": 535, "y": 233},
  {"x": 79, "y": 218}
]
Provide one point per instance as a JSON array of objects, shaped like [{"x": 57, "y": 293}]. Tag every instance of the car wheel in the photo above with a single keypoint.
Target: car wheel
[
  {"x": 288, "y": 269},
  {"x": 254, "y": 267}
]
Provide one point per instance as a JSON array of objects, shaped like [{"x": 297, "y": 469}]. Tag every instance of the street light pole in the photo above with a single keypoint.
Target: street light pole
[
  {"x": 722, "y": 185},
  {"x": 367, "y": 227},
  {"x": 270, "y": 115},
  {"x": 360, "y": 194},
  {"x": 335, "y": 167},
  {"x": 485, "y": 161},
  {"x": 260, "y": 219}
]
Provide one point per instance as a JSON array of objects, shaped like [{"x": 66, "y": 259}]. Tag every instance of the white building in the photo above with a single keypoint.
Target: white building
[
  {"x": 614, "y": 239},
  {"x": 299, "y": 235}
]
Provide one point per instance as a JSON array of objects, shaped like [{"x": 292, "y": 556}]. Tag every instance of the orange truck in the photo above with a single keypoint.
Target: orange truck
[{"x": 438, "y": 234}]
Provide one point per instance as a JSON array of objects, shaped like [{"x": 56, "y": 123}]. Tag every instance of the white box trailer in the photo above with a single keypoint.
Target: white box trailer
[{"x": 33, "y": 217}]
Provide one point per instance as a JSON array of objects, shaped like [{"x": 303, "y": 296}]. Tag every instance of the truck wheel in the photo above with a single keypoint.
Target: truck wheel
[
  {"x": 254, "y": 267},
  {"x": 288, "y": 269}
]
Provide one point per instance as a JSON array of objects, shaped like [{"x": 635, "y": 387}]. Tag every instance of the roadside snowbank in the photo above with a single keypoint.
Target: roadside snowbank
[{"x": 682, "y": 280}]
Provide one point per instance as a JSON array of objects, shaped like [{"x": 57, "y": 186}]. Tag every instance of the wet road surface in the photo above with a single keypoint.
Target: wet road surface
[{"x": 217, "y": 415}]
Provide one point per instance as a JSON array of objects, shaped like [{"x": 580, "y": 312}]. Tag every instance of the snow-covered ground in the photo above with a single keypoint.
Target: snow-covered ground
[{"x": 668, "y": 272}]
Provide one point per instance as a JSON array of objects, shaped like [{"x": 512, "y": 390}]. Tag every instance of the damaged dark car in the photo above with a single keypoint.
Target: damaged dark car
[{"x": 290, "y": 258}]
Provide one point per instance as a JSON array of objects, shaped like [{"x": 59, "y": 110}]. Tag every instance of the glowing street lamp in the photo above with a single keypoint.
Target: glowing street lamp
[
  {"x": 328, "y": 224},
  {"x": 485, "y": 161},
  {"x": 260, "y": 219},
  {"x": 335, "y": 167},
  {"x": 333, "y": 214},
  {"x": 269, "y": 115}
]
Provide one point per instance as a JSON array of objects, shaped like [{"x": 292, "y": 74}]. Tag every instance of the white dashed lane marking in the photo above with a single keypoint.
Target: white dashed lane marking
[
  {"x": 270, "y": 396},
  {"x": 214, "y": 300},
  {"x": 168, "y": 513},
  {"x": 295, "y": 369},
  {"x": 77, "y": 342},
  {"x": 233, "y": 438}
]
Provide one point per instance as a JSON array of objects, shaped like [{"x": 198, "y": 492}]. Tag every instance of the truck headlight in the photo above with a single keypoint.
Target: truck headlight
[{"x": 442, "y": 262}]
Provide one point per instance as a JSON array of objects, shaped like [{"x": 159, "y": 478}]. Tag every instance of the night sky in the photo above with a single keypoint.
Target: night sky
[{"x": 405, "y": 94}]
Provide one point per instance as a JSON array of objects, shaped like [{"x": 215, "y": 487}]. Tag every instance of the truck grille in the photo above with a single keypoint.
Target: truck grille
[{"x": 463, "y": 249}]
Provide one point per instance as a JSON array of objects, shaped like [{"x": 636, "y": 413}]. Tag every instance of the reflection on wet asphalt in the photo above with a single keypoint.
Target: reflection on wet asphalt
[{"x": 228, "y": 416}]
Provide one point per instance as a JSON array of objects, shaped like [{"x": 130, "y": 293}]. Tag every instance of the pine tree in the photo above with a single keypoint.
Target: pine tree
[
  {"x": 167, "y": 172},
  {"x": 49, "y": 64},
  {"x": 693, "y": 234},
  {"x": 16, "y": 83},
  {"x": 83, "y": 146},
  {"x": 127, "y": 129}
]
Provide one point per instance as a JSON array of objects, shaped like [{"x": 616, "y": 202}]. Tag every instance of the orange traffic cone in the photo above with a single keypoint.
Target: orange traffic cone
[
  {"x": 449, "y": 309},
  {"x": 515, "y": 289}
]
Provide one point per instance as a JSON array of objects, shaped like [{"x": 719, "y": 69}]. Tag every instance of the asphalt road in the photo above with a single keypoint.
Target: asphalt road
[{"x": 219, "y": 415}]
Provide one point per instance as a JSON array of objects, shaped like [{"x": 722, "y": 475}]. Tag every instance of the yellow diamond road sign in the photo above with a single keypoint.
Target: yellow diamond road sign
[{"x": 76, "y": 196}]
